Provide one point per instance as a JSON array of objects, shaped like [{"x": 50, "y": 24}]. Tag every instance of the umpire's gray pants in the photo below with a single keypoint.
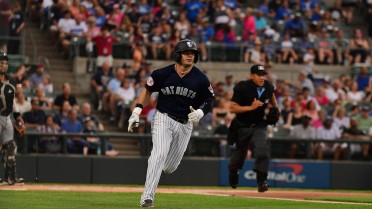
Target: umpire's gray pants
[{"x": 257, "y": 139}]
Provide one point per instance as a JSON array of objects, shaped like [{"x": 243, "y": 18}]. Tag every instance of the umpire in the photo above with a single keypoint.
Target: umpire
[{"x": 249, "y": 127}]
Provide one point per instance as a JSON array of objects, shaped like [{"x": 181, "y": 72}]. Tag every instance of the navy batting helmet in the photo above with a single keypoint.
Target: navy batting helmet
[
  {"x": 3, "y": 56},
  {"x": 185, "y": 45}
]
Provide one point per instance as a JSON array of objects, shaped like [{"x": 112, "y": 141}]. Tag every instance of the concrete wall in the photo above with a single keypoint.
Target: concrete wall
[{"x": 192, "y": 171}]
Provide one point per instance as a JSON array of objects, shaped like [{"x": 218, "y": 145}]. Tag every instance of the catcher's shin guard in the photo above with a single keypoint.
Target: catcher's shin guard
[{"x": 9, "y": 152}]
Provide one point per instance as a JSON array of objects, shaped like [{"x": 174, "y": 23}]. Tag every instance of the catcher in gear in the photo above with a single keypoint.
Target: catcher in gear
[
  {"x": 8, "y": 89},
  {"x": 249, "y": 127}
]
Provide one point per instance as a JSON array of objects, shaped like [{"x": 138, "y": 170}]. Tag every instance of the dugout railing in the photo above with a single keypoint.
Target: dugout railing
[{"x": 208, "y": 141}]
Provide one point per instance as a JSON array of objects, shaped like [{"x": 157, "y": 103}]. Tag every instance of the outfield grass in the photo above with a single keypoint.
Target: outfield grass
[{"x": 115, "y": 200}]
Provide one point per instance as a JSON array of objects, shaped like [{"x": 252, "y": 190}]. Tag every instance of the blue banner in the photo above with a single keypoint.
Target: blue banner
[{"x": 287, "y": 174}]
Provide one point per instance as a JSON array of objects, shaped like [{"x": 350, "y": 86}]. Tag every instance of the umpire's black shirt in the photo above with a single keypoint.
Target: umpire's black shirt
[{"x": 244, "y": 94}]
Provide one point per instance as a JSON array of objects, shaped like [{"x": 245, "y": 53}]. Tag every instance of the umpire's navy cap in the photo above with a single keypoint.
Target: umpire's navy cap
[{"x": 258, "y": 69}]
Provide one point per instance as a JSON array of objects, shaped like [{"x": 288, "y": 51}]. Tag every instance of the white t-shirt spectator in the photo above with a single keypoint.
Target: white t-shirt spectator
[
  {"x": 79, "y": 29},
  {"x": 331, "y": 134},
  {"x": 127, "y": 94},
  {"x": 66, "y": 24},
  {"x": 255, "y": 57},
  {"x": 355, "y": 96},
  {"x": 309, "y": 59},
  {"x": 342, "y": 122}
]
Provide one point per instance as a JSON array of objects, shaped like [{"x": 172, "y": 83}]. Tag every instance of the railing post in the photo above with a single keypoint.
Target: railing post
[
  {"x": 103, "y": 145},
  {"x": 348, "y": 156},
  {"x": 308, "y": 154},
  {"x": 143, "y": 145},
  {"x": 64, "y": 144},
  {"x": 24, "y": 141}
]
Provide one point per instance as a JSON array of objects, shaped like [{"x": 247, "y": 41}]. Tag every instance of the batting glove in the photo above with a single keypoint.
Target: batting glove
[
  {"x": 134, "y": 119},
  {"x": 195, "y": 115}
]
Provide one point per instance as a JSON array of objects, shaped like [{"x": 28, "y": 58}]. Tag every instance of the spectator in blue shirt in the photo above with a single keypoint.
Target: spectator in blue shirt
[
  {"x": 194, "y": 9},
  {"x": 294, "y": 27},
  {"x": 35, "y": 117},
  {"x": 260, "y": 21},
  {"x": 143, "y": 7},
  {"x": 306, "y": 7},
  {"x": 72, "y": 125},
  {"x": 208, "y": 31},
  {"x": 316, "y": 16},
  {"x": 283, "y": 12},
  {"x": 264, "y": 7}
]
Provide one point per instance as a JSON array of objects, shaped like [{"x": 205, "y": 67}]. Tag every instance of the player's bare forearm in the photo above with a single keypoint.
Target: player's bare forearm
[{"x": 144, "y": 96}]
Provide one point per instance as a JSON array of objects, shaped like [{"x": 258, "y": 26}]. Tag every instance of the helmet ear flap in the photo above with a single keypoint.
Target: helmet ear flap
[
  {"x": 196, "y": 58},
  {"x": 177, "y": 57}
]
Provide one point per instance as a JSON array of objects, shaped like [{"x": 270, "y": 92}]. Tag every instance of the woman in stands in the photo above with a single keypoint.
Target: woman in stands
[{"x": 359, "y": 48}]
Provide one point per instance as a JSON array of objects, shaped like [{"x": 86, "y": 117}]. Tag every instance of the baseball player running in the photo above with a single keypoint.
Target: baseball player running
[
  {"x": 7, "y": 106},
  {"x": 185, "y": 96}
]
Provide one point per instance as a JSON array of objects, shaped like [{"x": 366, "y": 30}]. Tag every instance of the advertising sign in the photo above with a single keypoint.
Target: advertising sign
[{"x": 289, "y": 174}]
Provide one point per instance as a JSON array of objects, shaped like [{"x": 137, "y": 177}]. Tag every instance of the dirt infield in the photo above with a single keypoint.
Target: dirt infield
[{"x": 295, "y": 195}]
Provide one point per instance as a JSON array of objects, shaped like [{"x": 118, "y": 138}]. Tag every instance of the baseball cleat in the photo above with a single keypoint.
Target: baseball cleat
[
  {"x": 263, "y": 186},
  {"x": 18, "y": 181},
  {"x": 147, "y": 203},
  {"x": 234, "y": 179}
]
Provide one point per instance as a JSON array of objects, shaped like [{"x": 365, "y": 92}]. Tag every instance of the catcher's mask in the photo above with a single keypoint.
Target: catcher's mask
[
  {"x": 185, "y": 45},
  {"x": 3, "y": 56}
]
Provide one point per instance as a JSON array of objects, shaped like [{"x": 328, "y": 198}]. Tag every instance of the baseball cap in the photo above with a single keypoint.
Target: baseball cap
[
  {"x": 364, "y": 108},
  {"x": 258, "y": 69},
  {"x": 328, "y": 118}
]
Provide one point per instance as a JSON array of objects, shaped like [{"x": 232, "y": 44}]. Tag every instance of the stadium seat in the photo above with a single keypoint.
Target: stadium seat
[{"x": 14, "y": 62}]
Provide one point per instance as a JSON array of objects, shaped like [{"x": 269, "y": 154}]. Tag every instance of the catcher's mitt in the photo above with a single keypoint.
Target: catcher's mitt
[
  {"x": 273, "y": 116},
  {"x": 19, "y": 127}
]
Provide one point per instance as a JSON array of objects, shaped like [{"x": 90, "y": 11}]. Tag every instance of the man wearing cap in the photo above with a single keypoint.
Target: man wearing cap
[
  {"x": 330, "y": 132},
  {"x": 249, "y": 101},
  {"x": 364, "y": 120},
  {"x": 302, "y": 131},
  {"x": 355, "y": 133},
  {"x": 37, "y": 77}
]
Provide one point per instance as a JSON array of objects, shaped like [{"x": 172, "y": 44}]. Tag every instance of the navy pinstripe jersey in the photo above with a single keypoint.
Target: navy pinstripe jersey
[
  {"x": 7, "y": 94},
  {"x": 177, "y": 94}
]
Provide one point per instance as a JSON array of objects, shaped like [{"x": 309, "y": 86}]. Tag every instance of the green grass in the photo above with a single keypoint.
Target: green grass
[
  {"x": 116, "y": 200},
  {"x": 345, "y": 199}
]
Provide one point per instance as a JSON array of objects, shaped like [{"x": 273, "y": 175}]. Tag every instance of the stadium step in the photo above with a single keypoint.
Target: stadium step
[{"x": 61, "y": 72}]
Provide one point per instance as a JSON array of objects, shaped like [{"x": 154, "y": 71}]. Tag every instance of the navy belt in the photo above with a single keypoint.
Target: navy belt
[
  {"x": 249, "y": 125},
  {"x": 183, "y": 121}
]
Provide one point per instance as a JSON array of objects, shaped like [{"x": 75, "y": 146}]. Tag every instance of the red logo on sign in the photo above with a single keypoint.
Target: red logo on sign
[{"x": 297, "y": 168}]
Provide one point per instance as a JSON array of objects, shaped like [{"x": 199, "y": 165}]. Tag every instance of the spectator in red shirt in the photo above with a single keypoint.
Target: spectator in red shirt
[
  {"x": 321, "y": 97},
  {"x": 104, "y": 44}
]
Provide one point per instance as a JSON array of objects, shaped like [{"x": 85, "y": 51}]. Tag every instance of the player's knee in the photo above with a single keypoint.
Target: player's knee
[{"x": 170, "y": 169}]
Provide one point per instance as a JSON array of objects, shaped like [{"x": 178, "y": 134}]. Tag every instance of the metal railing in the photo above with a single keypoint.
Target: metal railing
[{"x": 145, "y": 140}]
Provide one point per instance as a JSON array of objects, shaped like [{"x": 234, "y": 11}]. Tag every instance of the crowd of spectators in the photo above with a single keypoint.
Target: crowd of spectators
[
  {"x": 277, "y": 31},
  {"x": 270, "y": 31},
  {"x": 45, "y": 111}
]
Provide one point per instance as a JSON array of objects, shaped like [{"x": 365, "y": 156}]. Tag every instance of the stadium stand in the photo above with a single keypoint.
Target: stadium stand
[{"x": 334, "y": 69}]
